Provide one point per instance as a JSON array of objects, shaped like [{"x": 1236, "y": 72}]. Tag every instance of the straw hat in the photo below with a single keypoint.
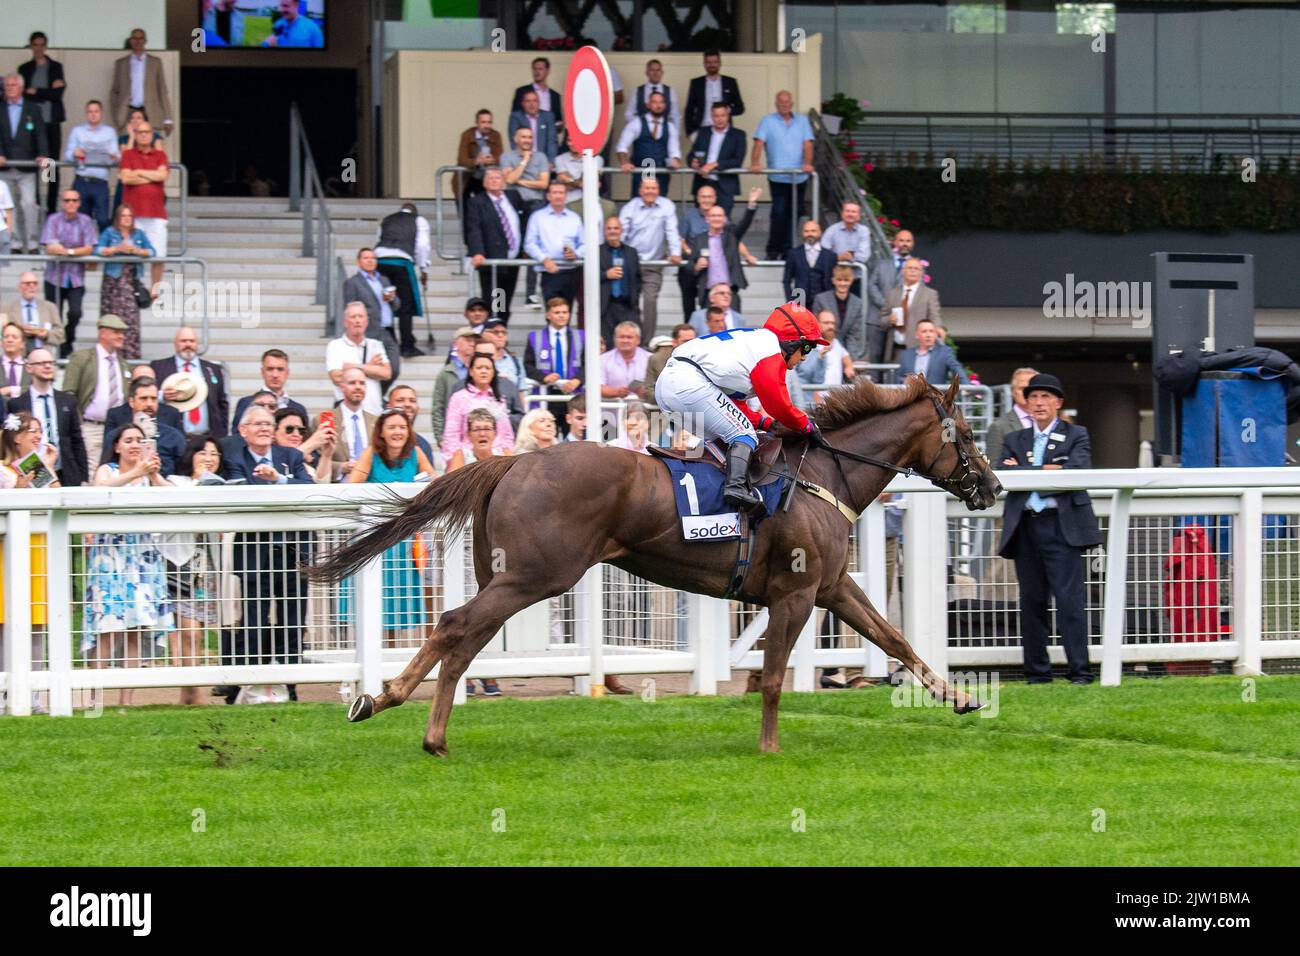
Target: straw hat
[{"x": 190, "y": 386}]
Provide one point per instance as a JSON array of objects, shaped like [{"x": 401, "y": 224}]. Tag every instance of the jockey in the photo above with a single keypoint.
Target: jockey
[{"x": 711, "y": 377}]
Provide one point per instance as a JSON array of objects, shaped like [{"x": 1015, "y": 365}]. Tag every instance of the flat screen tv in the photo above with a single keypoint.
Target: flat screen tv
[{"x": 263, "y": 24}]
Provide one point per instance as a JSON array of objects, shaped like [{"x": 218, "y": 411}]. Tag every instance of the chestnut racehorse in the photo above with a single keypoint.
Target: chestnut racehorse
[{"x": 556, "y": 512}]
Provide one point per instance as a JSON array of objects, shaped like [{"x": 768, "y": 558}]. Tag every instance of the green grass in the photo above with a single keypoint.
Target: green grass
[{"x": 1186, "y": 772}]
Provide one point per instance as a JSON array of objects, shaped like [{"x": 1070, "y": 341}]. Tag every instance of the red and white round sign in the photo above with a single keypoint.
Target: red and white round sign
[{"x": 588, "y": 100}]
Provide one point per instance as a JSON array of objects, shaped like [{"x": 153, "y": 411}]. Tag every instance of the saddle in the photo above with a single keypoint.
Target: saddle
[{"x": 762, "y": 465}]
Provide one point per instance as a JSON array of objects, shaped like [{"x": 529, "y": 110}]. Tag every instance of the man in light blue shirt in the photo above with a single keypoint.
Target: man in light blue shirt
[
  {"x": 650, "y": 227},
  {"x": 93, "y": 142},
  {"x": 294, "y": 30},
  {"x": 554, "y": 239},
  {"x": 788, "y": 139}
]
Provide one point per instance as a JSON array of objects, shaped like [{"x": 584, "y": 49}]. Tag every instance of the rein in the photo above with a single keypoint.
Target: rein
[{"x": 962, "y": 478}]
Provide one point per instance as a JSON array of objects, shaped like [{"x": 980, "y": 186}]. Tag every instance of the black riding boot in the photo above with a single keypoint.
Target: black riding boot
[{"x": 736, "y": 492}]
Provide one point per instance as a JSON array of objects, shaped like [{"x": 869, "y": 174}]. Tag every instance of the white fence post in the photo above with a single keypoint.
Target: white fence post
[
  {"x": 805, "y": 664},
  {"x": 1248, "y": 582},
  {"x": 453, "y": 585},
  {"x": 871, "y": 559},
  {"x": 925, "y": 578},
  {"x": 1116, "y": 591},
  {"x": 368, "y": 587},
  {"x": 702, "y": 635},
  {"x": 18, "y": 611},
  {"x": 591, "y": 597},
  {"x": 58, "y": 589}
]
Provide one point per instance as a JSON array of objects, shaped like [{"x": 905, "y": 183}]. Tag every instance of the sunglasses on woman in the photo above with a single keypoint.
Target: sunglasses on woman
[{"x": 295, "y": 429}]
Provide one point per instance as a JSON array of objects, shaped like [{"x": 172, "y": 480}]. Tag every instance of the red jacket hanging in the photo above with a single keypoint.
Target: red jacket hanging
[{"x": 1192, "y": 588}]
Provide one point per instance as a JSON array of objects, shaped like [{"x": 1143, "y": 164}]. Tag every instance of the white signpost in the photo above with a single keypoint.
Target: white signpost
[{"x": 588, "y": 111}]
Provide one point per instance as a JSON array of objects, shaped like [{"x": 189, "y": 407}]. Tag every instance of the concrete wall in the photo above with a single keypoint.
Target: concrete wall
[
  {"x": 81, "y": 23},
  {"x": 432, "y": 96}
]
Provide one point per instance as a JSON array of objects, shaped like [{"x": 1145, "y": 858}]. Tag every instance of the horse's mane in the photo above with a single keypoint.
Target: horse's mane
[{"x": 844, "y": 406}]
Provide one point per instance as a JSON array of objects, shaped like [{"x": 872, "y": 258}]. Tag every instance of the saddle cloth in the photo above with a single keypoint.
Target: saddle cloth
[{"x": 697, "y": 488}]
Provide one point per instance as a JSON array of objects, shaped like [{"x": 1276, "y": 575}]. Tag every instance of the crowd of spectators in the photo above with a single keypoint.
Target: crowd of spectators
[{"x": 120, "y": 422}]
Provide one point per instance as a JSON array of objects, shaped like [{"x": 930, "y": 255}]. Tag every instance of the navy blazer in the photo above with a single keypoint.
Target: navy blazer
[
  {"x": 72, "y": 446},
  {"x": 1072, "y": 450},
  {"x": 547, "y": 140},
  {"x": 120, "y": 415},
  {"x": 218, "y": 402},
  {"x": 813, "y": 281},
  {"x": 287, "y": 461},
  {"x": 483, "y": 233},
  {"x": 943, "y": 365},
  {"x": 31, "y": 140},
  {"x": 730, "y": 156},
  {"x": 694, "y": 116}
]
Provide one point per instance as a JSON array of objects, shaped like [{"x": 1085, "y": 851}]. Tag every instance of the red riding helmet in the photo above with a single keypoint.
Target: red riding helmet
[{"x": 794, "y": 323}]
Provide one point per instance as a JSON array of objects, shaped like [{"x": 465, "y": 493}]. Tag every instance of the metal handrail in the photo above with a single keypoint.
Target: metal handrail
[
  {"x": 1184, "y": 141},
  {"x": 640, "y": 170},
  {"x": 203, "y": 324},
  {"x": 305, "y": 192},
  {"x": 841, "y": 186},
  {"x": 59, "y": 164}
]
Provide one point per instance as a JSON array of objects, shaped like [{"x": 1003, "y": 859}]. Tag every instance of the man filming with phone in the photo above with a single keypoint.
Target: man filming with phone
[{"x": 167, "y": 441}]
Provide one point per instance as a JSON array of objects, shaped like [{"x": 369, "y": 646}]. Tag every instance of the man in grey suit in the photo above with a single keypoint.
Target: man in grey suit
[
  {"x": 542, "y": 122},
  {"x": 1017, "y": 417},
  {"x": 370, "y": 287},
  {"x": 914, "y": 301},
  {"x": 860, "y": 339}
]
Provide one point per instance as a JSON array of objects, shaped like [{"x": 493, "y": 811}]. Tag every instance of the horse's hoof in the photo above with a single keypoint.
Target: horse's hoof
[
  {"x": 361, "y": 708},
  {"x": 437, "y": 750},
  {"x": 971, "y": 706}
]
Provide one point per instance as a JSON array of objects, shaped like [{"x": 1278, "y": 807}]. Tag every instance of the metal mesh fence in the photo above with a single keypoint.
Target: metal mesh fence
[{"x": 1178, "y": 585}]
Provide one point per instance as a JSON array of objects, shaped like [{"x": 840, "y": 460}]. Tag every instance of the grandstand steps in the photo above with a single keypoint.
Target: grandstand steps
[{"x": 259, "y": 240}]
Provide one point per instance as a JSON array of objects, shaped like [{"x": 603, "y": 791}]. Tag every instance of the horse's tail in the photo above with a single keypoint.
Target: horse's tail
[{"x": 453, "y": 500}]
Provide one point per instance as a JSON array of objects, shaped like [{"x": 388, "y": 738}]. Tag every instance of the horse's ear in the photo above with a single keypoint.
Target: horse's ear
[{"x": 954, "y": 390}]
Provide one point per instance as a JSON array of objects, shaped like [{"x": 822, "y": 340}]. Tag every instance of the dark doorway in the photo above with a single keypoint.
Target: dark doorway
[{"x": 237, "y": 120}]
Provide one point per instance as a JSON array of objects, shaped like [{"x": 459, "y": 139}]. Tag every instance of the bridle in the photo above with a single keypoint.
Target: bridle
[{"x": 961, "y": 481}]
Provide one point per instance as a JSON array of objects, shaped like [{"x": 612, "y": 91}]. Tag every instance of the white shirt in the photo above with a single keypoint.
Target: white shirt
[
  {"x": 712, "y": 94},
  {"x": 839, "y": 238},
  {"x": 549, "y": 232},
  {"x": 138, "y": 65},
  {"x": 648, "y": 228},
  {"x": 715, "y": 147},
  {"x": 834, "y": 359},
  {"x": 544, "y": 99},
  {"x": 355, "y": 438},
  {"x": 571, "y": 165},
  {"x": 633, "y": 129},
  {"x": 343, "y": 350},
  {"x": 50, "y": 423},
  {"x": 812, "y": 252}
]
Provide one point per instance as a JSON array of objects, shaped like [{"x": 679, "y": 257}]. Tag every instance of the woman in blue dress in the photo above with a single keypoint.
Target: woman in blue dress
[
  {"x": 394, "y": 457},
  {"x": 127, "y": 598}
]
